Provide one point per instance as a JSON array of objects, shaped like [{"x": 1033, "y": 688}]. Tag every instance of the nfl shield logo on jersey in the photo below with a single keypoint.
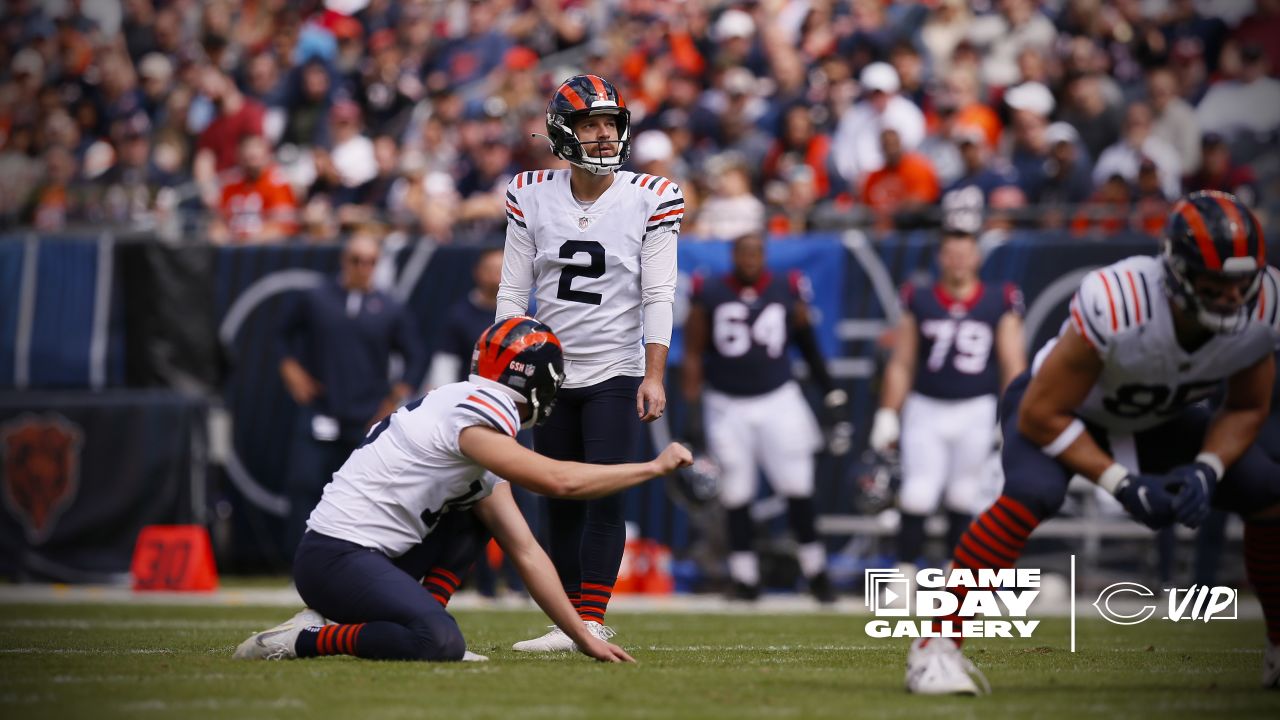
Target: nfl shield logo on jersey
[{"x": 583, "y": 222}]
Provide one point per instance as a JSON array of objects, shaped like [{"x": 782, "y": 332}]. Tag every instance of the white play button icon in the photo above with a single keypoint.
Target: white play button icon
[{"x": 890, "y": 596}]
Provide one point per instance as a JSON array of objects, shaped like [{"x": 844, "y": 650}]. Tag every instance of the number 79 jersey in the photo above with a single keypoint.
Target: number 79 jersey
[
  {"x": 749, "y": 324},
  {"x": 593, "y": 268},
  {"x": 955, "y": 348},
  {"x": 1147, "y": 377}
]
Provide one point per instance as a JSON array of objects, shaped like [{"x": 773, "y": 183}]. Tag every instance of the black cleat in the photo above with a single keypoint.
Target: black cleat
[
  {"x": 820, "y": 586},
  {"x": 744, "y": 592}
]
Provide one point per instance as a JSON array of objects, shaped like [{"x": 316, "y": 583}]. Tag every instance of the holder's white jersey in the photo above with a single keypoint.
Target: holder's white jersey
[
  {"x": 592, "y": 270},
  {"x": 1122, "y": 312},
  {"x": 395, "y": 487}
]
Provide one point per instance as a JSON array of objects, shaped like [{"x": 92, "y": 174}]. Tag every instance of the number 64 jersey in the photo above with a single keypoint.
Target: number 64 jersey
[
  {"x": 592, "y": 269},
  {"x": 1147, "y": 378}
]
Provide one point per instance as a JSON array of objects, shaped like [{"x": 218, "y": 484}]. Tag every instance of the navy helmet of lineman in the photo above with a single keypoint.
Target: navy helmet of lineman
[
  {"x": 1214, "y": 256},
  {"x": 584, "y": 95}
]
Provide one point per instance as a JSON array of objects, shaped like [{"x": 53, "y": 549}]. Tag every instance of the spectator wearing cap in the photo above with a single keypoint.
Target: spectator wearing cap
[
  {"x": 387, "y": 90},
  {"x": 1246, "y": 106},
  {"x": 308, "y": 106},
  {"x": 1030, "y": 105},
  {"x": 730, "y": 210},
  {"x": 857, "y": 141},
  {"x": 257, "y": 205},
  {"x": 985, "y": 182},
  {"x": 897, "y": 192},
  {"x": 1125, "y": 157},
  {"x": 1091, "y": 112},
  {"x": 1174, "y": 119},
  {"x": 1066, "y": 178},
  {"x": 155, "y": 73},
  {"x": 236, "y": 117},
  {"x": 1001, "y": 36},
  {"x": 799, "y": 143},
  {"x": 734, "y": 33},
  {"x": 370, "y": 201},
  {"x": 1217, "y": 172}
]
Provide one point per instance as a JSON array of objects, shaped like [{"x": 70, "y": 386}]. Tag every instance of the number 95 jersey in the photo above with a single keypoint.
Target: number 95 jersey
[
  {"x": 749, "y": 326},
  {"x": 1147, "y": 377},
  {"x": 955, "y": 348},
  {"x": 593, "y": 268}
]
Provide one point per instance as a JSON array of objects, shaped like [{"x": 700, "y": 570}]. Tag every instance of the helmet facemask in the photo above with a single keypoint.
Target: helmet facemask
[
  {"x": 566, "y": 144},
  {"x": 1180, "y": 283}
]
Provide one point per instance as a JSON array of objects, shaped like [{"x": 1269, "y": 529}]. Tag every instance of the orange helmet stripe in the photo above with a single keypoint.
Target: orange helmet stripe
[
  {"x": 1196, "y": 221},
  {"x": 573, "y": 97},
  {"x": 1240, "y": 236},
  {"x": 601, "y": 93}
]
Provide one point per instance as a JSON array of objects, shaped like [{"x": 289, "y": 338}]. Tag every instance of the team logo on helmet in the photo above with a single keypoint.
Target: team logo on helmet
[
  {"x": 581, "y": 96},
  {"x": 41, "y": 470}
]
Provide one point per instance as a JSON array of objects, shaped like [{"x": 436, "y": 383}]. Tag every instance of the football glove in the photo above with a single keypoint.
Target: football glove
[
  {"x": 1192, "y": 486},
  {"x": 885, "y": 429},
  {"x": 1147, "y": 499}
]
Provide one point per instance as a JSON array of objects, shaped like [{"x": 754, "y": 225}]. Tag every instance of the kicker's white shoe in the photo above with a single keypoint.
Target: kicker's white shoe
[
  {"x": 469, "y": 656},
  {"x": 278, "y": 642},
  {"x": 939, "y": 668},
  {"x": 1271, "y": 668},
  {"x": 557, "y": 641}
]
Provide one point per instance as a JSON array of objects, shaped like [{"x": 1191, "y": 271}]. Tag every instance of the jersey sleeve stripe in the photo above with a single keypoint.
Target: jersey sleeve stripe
[
  {"x": 635, "y": 179},
  {"x": 1115, "y": 321},
  {"x": 512, "y": 415},
  {"x": 514, "y": 209},
  {"x": 1146, "y": 293},
  {"x": 654, "y": 182},
  {"x": 511, "y": 198},
  {"x": 517, "y": 221},
  {"x": 669, "y": 203},
  {"x": 1124, "y": 300},
  {"x": 663, "y": 188},
  {"x": 484, "y": 403},
  {"x": 1137, "y": 302},
  {"x": 669, "y": 213},
  {"x": 1080, "y": 328},
  {"x": 520, "y": 180},
  {"x": 540, "y": 175},
  {"x": 488, "y": 419}
]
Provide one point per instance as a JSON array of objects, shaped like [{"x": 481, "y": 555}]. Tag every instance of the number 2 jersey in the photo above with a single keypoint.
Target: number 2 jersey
[
  {"x": 393, "y": 489},
  {"x": 1123, "y": 313},
  {"x": 594, "y": 271},
  {"x": 956, "y": 339},
  {"x": 749, "y": 327}
]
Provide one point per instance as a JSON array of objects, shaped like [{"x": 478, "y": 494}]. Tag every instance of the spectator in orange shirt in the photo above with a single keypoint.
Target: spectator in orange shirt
[
  {"x": 257, "y": 204},
  {"x": 904, "y": 186}
]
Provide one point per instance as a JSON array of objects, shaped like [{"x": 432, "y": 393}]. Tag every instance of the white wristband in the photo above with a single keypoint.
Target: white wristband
[
  {"x": 1064, "y": 439},
  {"x": 1111, "y": 478},
  {"x": 1213, "y": 461}
]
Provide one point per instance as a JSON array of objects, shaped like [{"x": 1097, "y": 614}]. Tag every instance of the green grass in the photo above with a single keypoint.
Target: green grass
[{"x": 107, "y": 661}]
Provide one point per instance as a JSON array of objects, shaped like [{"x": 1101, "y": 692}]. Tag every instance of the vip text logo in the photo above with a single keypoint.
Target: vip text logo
[
  {"x": 1001, "y": 598},
  {"x": 1117, "y": 603}
]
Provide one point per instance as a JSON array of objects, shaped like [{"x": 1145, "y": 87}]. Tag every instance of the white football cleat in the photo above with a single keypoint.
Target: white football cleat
[
  {"x": 939, "y": 668},
  {"x": 1271, "y": 668},
  {"x": 468, "y": 656},
  {"x": 278, "y": 642},
  {"x": 558, "y": 641}
]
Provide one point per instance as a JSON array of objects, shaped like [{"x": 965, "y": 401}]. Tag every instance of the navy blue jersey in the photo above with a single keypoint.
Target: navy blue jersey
[
  {"x": 750, "y": 331},
  {"x": 955, "y": 355}
]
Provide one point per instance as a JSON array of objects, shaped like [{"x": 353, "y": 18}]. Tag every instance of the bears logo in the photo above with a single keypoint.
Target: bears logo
[{"x": 41, "y": 470}]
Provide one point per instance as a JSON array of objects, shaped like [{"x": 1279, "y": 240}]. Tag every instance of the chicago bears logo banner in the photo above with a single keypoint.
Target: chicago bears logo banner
[{"x": 41, "y": 470}]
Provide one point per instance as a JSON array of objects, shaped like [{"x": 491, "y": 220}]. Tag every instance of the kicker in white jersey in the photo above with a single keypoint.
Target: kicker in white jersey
[
  {"x": 394, "y": 488},
  {"x": 1123, "y": 312},
  {"x": 593, "y": 269}
]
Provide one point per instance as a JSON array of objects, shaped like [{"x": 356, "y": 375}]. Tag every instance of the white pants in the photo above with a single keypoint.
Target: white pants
[
  {"x": 775, "y": 431},
  {"x": 945, "y": 445}
]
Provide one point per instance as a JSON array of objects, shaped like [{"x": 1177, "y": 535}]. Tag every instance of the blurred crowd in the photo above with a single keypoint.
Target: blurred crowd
[{"x": 270, "y": 120}]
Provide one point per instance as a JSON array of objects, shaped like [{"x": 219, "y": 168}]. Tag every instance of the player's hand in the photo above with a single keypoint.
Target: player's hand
[
  {"x": 1147, "y": 499},
  {"x": 605, "y": 651},
  {"x": 1192, "y": 487},
  {"x": 303, "y": 388},
  {"x": 675, "y": 456},
  {"x": 651, "y": 400},
  {"x": 885, "y": 430}
]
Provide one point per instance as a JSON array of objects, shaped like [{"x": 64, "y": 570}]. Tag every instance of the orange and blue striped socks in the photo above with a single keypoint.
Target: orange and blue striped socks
[
  {"x": 329, "y": 640},
  {"x": 442, "y": 584},
  {"x": 593, "y": 601}
]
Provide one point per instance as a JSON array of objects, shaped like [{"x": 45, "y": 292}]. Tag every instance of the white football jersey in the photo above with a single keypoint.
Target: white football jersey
[
  {"x": 1122, "y": 311},
  {"x": 395, "y": 487},
  {"x": 592, "y": 269}
]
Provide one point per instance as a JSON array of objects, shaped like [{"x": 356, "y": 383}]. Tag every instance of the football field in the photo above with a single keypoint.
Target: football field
[{"x": 140, "y": 661}]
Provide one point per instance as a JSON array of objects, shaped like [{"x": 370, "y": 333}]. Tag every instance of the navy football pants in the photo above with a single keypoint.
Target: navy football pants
[
  {"x": 595, "y": 424},
  {"x": 351, "y": 585}
]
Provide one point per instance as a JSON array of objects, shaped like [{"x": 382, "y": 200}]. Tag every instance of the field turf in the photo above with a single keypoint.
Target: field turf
[{"x": 131, "y": 661}]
